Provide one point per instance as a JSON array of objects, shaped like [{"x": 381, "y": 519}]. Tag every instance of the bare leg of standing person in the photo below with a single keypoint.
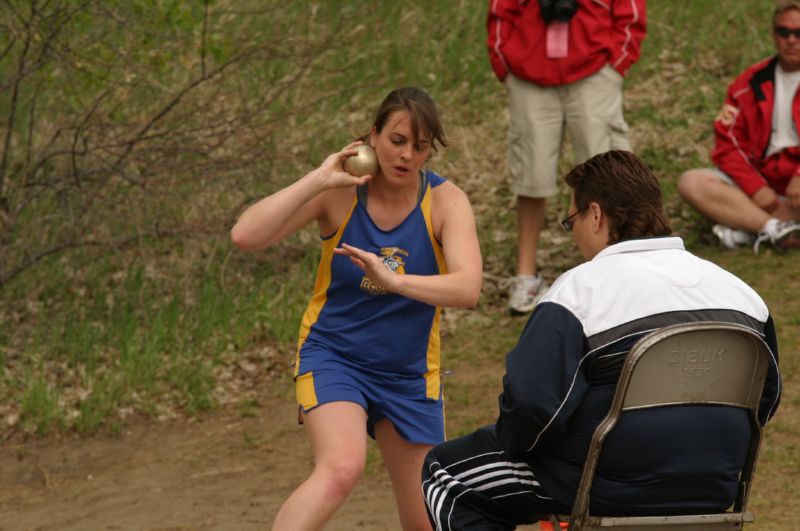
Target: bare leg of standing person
[
  {"x": 404, "y": 462},
  {"x": 337, "y": 432},
  {"x": 527, "y": 287},
  {"x": 535, "y": 134},
  {"x": 530, "y": 221}
]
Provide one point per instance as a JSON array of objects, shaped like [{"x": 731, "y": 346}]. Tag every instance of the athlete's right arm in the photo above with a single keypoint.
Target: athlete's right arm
[{"x": 276, "y": 216}]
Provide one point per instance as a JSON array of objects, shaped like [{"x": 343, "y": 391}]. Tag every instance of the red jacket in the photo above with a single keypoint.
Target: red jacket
[
  {"x": 600, "y": 32},
  {"x": 742, "y": 131}
]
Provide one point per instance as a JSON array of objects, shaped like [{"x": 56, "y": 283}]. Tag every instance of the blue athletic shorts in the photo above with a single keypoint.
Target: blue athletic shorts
[{"x": 325, "y": 377}]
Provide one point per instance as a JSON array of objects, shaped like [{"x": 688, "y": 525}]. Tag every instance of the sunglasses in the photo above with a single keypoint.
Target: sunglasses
[
  {"x": 568, "y": 222},
  {"x": 784, "y": 32}
]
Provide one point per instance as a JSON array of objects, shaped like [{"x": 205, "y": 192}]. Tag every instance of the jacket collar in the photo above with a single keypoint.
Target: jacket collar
[
  {"x": 765, "y": 75},
  {"x": 644, "y": 244}
]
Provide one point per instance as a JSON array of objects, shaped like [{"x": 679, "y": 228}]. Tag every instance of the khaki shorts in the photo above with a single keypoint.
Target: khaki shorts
[
  {"x": 592, "y": 111},
  {"x": 722, "y": 176}
]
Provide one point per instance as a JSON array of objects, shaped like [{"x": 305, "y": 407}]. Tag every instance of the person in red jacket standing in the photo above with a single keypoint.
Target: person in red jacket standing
[
  {"x": 562, "y": 62},
  {"x": 755, "y": 187}
]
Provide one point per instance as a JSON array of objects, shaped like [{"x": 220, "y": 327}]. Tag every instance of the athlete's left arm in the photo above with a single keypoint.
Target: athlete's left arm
[{"x": 454, "y": 226}]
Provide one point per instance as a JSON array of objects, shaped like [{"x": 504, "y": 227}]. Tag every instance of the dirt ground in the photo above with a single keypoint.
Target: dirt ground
[
  {"x": 231, "y": 471},
  {"x": 227, "y": 471},
  {"x": 224, "y": 472}
]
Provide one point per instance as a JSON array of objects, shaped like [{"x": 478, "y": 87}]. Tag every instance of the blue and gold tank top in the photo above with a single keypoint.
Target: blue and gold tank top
[{"x": 355, "y": 319}]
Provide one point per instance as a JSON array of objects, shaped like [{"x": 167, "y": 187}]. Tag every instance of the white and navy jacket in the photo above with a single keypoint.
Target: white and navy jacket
[{"x": 562, "y": 373}]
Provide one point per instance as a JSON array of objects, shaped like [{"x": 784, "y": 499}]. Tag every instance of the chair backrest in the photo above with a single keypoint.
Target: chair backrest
[{"x": 686, "y": 364}]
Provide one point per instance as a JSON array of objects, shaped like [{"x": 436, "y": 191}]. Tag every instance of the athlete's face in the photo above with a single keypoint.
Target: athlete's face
[
  {"x": 787, "y": 42},
  {"x": 400, "y": 155}
]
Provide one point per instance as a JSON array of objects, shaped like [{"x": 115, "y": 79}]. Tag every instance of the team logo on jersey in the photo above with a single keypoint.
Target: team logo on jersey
[{"x": 393, "y": 260}]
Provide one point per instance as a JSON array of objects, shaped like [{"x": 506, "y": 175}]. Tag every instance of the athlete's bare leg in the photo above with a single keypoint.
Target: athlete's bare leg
[
  {"x": 404, "y": 463},
  {"x": 338, "y": 436}
]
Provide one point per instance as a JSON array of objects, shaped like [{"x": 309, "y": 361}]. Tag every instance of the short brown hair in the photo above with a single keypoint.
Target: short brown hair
[
  {"x": 421, "y": 109},
  {"x": 626, "y": 190},
  {"x": 784, "y": 5}
]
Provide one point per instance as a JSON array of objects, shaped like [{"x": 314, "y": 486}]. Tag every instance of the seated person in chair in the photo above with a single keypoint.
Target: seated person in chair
[{"x": 561, "y": 375}]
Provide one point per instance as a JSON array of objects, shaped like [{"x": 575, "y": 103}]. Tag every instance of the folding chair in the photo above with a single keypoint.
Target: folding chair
[{"x": 682, "y": 365}]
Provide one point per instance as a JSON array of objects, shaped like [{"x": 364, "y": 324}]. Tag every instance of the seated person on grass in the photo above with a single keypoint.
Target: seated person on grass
[
  {"x": 755, "y": 187},
  {"x": 561, "y": 376}
]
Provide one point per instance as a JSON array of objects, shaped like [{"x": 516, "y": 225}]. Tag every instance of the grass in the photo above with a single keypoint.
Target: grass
[
  {"x": 128, "y": 336},
  {"x": 40, "y": 402},
  {"x": 185, "y": 325}
]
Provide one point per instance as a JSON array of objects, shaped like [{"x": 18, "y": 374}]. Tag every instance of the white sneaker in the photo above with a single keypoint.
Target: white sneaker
[
  {"x": 731, "y": 238},
  {"x": 524, "y": 293},
  {"x": 782, "y": 235}
]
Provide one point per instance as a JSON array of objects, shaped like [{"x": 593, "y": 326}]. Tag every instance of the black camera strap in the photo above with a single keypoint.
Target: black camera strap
[{"x": 557, "y": 10}]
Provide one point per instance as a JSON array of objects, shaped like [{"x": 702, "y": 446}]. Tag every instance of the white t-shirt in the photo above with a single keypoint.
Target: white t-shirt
[{"x": 784, "y": 133}]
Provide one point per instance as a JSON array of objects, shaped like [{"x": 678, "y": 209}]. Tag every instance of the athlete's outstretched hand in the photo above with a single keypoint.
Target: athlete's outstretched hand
[
  {"x": 331, "y": 171},
  {"x": 372, "y": 265}
]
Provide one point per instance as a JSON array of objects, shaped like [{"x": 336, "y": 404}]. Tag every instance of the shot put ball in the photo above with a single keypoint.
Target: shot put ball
[{"x": 365, "y": 162}]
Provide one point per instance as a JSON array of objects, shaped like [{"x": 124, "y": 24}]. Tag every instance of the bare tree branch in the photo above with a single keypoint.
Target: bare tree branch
[
  {"x": 157, "y": 232},
  {"x": 177, "y": 98},
  {"x": 12, "y": 112},
  {"x": 7, "y": 49},
  {"x": 76, "y": 135},
  {"x": 104, "y": 112},
  {"x": 203, "y": 40}
]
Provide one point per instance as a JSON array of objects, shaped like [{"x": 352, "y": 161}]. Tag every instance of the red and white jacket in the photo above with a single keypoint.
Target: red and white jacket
[
  {"x": 742, "y": 132},
  {"x": 600, "y": 32}
]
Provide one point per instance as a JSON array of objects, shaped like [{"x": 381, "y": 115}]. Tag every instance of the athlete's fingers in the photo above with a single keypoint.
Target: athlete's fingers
[
  {"x": 355, "y": 251},
  {"x": 353, "y": 144},
  {"x": 347, "y": 152},
  {"x": 358, "y": 181},
  {"x": 357, "y": 256},
  {"x": 371, "y": 263},
  {"x": 361, "y": 265}
]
